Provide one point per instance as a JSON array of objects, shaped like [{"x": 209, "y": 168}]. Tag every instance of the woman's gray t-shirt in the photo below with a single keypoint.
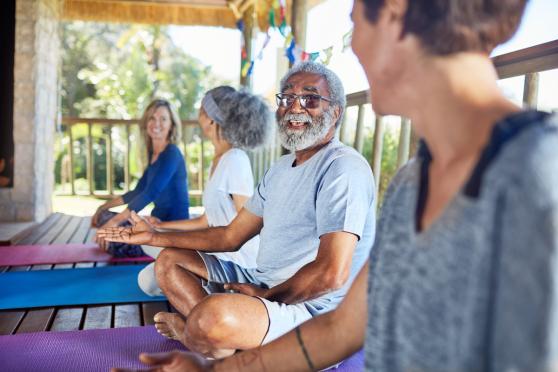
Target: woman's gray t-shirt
[{"x": 476, "y": 291}]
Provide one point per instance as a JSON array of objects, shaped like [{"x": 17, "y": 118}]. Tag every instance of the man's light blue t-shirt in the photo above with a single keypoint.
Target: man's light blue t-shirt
[{"x": 330, "y": 192}]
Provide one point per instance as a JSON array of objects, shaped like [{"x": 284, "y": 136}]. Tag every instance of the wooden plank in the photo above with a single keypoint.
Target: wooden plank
[
  {"x": 149, "y": 309},
  {"x": 19, "y": 268},
  {"x": 108, "y": 144},
  {"x": 9, "y": 320},
  {"x": 40, "y": 230},
  {"x": 82, "y": 231},
  {"x": 73, "y": 120},
  {"x": 91, "y": 235},
  {"x": 68, "y": 230},
  {"x": 71, "y": 156},
  {"x": 531, "y": 90},
  {"x": 537, "y": 58},
  {"x": 404, "y": 142},
  {"x": 359, "y": 136},
  {"x": 127, "y": 315},
  {"x": 89, "y": 170},
  {"x": 37, "y": 320},
  {"x": 53, "y": 232},
  {"x": 41, "y": 267},
  {"x": 10, "y": 232},
  {"x": 68, "y": 319},
  {"x": 98, "y": 317},
  {"x": 377, "y": 152}
]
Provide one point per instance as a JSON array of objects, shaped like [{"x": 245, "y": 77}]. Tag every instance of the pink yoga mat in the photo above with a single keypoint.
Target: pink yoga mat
[
  {"x": 20, "y": 255},
  {"x": 96, "y": 350}
]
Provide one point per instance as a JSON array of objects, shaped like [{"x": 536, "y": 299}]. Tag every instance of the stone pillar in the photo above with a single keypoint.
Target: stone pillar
[{"x": 37, "y": 58}]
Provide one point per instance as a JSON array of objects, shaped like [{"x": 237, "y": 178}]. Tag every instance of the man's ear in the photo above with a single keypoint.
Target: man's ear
[{"x": 336, "y": 113}]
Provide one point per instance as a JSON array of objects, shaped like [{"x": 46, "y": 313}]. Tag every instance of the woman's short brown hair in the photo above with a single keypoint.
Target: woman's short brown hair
[{"x": 451, "y": 26}]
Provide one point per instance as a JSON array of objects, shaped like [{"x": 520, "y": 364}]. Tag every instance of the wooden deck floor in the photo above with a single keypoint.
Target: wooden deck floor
[{"x": 59, "y": 229}]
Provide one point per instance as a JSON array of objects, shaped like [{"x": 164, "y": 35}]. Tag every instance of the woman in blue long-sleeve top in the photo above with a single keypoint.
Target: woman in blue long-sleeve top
[{"x": 164, "y": 182}]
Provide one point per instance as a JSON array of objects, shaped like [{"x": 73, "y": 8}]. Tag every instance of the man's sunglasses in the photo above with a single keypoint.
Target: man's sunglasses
[{"x": 308, "y": 101}]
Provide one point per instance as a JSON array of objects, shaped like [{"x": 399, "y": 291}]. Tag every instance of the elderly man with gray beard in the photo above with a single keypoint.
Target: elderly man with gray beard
[{"x": 314, "y": 211}]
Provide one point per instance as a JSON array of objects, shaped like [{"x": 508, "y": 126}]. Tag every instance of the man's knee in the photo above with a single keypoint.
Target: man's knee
[
  {"x": 163, "y": 264},
  {"x": 211, "y": 320}
]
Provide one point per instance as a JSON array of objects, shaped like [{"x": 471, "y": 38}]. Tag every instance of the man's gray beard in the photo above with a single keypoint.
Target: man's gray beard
[{"x": 315, "y": 132}]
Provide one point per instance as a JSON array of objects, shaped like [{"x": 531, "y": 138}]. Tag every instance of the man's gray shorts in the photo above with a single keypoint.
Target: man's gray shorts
[{"x": 282, "y": 317}]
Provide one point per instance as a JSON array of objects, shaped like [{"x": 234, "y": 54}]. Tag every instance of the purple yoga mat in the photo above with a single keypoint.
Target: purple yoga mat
[
  {"x": 22, "y": 255},
  {"x": 96, "y": 350}
]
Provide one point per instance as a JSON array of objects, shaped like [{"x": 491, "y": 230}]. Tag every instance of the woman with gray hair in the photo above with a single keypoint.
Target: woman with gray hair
[{"x": 233, "y": 120}]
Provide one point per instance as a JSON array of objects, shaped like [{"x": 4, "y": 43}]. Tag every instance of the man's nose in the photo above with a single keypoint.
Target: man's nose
[{"x": 296, "y": 107}]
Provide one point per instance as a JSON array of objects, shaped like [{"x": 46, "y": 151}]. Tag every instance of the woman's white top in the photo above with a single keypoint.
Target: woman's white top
[{"x": 232, "y": 175}]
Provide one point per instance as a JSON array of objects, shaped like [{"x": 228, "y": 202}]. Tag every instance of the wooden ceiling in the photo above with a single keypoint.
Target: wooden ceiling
[{"x": 165, "y": 12}]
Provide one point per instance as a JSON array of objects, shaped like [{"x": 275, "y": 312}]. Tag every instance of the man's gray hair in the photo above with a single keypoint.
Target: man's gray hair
[
  {"x": 335, "y": 86},
  {"x": 246, "y": 118}
]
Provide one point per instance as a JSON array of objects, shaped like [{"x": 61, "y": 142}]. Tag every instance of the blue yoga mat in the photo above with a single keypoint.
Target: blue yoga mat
[{"x": 99, "y": 285}]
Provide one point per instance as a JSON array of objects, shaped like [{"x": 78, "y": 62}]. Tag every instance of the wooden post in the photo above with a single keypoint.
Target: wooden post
[
  {"x": 298, "y": 22},
  {"x": 109, "y": 160},
  {"x": 359, "y": 137},
  {"x": 414, "y": 143},
  {"x": 248, "y": 33},
  {"x": 404, "y": 142},
  {"x": 531, "y": 89},
  {"x": 127, "y": 160},
  {"x": 201, "y": 165},
  {"x": 342, "y": 127},
  {"x": 90, "y": 174},
  {"x": 71, "y": 155},
  {"x": 377, "y": 151}
]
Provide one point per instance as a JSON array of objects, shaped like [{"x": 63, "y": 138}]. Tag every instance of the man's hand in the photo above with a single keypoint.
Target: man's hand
[
  {"x": 154, "y": 221},
  {"x": 174, "y": 361},
  {"x": 247, "y": 289},
  {"x": 141, "y": 232},
  {"x": 140, "y": 224}
]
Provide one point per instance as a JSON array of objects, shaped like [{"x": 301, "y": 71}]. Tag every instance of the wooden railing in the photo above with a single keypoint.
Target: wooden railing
[
  {"x": 108, "y": 124},
  {"x": 528, "y": 62}
]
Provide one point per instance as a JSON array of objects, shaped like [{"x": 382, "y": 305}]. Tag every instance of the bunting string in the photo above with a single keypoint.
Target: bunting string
[{"x": 293, "y": 51}]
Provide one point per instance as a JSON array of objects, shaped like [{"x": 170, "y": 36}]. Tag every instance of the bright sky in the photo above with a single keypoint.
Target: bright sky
[{"x": 327, "y": 23}]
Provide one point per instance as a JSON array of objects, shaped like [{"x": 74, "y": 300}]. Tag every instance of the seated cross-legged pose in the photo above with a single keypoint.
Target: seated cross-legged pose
[
  {"x": 315, "y": 212},
  {"x": 164, "y": 182},
  {"x": 463, "y": 275},
  {"x": 232, "y": 120}
]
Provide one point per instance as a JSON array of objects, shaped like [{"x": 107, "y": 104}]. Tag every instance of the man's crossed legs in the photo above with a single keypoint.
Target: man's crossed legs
[{"x": 217, "y": 324}]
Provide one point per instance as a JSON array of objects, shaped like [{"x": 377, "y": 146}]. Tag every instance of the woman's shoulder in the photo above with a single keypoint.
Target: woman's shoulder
[
  {"x": 529, "y": 163},
  {"x": 173, "y": 149},
  {"x": 173, "y": 152},
  {"x": 236, "y": 153}
]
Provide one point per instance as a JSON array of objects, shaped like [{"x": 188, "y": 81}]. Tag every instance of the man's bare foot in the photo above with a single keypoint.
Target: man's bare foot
[{"x": 170, "y": 325}]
